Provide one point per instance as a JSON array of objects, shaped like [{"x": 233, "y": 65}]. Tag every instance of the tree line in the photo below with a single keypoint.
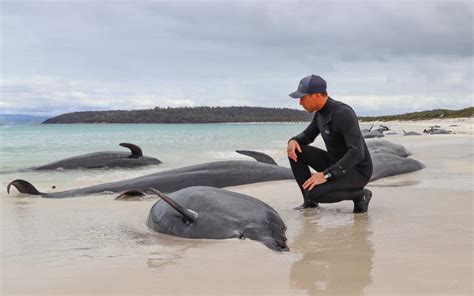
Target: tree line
[
  {"x": 230, "y": 114},
  {"x": 423, "y": 115},
  {"x": 185, "y": 115}
]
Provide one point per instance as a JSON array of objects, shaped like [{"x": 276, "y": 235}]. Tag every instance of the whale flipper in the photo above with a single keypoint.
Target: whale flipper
[
  {"x": 189, "y": 216},
  {"x": 136, "y": 151},
  {"x": 23, "y": 187},
  {"x": 258, "y": 156}
]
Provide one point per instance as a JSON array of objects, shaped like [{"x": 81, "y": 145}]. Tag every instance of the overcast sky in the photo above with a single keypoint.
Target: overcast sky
[{"x": 381, "y": 57}]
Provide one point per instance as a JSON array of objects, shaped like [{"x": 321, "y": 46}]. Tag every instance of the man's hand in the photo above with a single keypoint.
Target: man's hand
[
  {"x": 314, "y": 180},
  {"x": 293, "y": 145}
]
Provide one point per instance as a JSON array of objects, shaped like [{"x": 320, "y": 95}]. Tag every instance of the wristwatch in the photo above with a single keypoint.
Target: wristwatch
[{"x": 328, "y": 175}]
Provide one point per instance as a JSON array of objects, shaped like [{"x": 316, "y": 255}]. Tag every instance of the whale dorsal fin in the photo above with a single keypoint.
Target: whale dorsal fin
[
  {"x": 258, "y": 156},
  {"x": 189, "y": 216},
  {"x": 24, "y": 187},
  {"x": 136, "y": 151}
]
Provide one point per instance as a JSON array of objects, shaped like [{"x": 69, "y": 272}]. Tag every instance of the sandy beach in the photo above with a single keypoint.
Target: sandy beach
[{"x": 416, "y": 239}]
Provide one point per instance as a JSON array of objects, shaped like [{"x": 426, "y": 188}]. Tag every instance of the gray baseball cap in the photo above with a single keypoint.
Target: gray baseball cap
[{"x": 309, "y": 85}]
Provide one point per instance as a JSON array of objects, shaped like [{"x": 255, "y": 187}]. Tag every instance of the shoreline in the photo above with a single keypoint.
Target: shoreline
[{"x": 462, "y": 125}]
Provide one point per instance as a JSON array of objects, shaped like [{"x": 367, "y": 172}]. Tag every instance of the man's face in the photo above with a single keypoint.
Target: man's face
[{"x": 313, "y": 102}]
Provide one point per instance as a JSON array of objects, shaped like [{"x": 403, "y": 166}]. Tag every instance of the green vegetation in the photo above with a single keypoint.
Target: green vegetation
[
  {"x": 186, "y": 115},
  {"x": 230, "y": 114},
  {"x": 423, "y": 115}
]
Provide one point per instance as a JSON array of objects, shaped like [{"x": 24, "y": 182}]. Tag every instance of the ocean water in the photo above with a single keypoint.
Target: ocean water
[{"x": 175, "y": 144}]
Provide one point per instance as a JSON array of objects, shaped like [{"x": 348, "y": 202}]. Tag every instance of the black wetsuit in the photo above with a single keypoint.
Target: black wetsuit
[{"x": 347, "y": 158}]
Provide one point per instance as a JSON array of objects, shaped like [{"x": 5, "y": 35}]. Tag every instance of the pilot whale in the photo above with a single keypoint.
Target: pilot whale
[
  {"x": 220, "y": 174},
  {"x": 217, "y": 174},
  {"x": 103, "y": 159},
  {"x": 384, "y": 146},
  {"x": 214, "y": 213}
]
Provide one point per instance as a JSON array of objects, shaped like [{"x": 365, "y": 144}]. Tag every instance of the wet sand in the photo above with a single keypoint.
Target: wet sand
[{"x": 415, "y": 240}]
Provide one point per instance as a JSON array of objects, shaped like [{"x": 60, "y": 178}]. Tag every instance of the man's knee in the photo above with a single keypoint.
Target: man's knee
[
  {"x": 312, "y": 154},
  {"x": 301, "y": 156}
]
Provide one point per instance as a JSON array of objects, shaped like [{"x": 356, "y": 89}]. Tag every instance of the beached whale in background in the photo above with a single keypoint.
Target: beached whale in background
[
  {"x": 411, "y": 133},
  {"x": 214, "y": 213},
  {"x": 378, "y": 133},
  {"x": 384, "y": 146},
  {"x": 390, "y": 159},
  {"x": 387, "y": 165},
  {"x": 372, "y": 134},
  {"x": 218, "y": 174},
  {"x": 103, "y": 159},
  {"x": 436, "y": 130}
]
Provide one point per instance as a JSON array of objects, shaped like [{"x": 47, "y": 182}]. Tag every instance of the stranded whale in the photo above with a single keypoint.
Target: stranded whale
[
  {"x": 220, "y": 174},
  {"x": 103, "y": 159},
  {"x": 213, "y": 213},
  {"x": 436, "y": 130},
  {"x": 384, "y": 146},
  {"x": 217, "y": 174},
  {"x": 410, "y": 133}
]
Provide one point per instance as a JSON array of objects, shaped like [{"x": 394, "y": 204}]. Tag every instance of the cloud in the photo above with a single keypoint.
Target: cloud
[
  {"x": 42, "y": 95},
  {"x": 62, "y": 56}
]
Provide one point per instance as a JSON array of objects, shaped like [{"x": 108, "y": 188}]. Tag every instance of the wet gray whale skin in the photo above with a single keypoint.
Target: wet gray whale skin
[
  {"x": 372, "y": 134},
  {"x": 386, "y": 165},
  {"x": 103, "y": 159},
  {"x": 219, "y": 174},
  {"x": 218, "y": 214},
  {"x": 384, "y": 146}
]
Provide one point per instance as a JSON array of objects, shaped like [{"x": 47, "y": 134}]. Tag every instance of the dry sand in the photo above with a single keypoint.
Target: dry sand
[{"x": 415, "y": 240}]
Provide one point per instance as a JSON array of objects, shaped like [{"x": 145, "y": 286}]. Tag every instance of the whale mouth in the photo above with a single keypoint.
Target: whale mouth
[
  {"x": 276, "y": 244},
  {"x": 282, "y": 246}
]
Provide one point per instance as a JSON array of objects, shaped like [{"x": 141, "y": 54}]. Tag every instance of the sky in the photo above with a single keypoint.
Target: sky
[{"x": 380, "y": 57}]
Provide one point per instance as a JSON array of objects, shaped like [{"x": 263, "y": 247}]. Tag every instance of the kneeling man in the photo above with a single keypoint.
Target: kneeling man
[{"x": 346, "y": 167}]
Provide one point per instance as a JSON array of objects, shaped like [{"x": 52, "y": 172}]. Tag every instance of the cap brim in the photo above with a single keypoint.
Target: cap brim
[{"x": 297, "y": 95}]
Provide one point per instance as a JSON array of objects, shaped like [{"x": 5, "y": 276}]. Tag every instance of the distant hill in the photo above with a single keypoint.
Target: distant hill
[
  {"x": 423, "y": 115},
  {"x": 7, "y": 119},
  {"x": 185, "y": 115},
  {"x": 230, "y": 114}
]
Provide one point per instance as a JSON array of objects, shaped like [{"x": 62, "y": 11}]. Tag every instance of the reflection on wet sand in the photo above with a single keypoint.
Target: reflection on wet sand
[
  {"x": 336, "y": 253},
  {"x": 165, "y": 249},
  {"x": 171, "y": 251},
  {"x": 395, "y": 184}
]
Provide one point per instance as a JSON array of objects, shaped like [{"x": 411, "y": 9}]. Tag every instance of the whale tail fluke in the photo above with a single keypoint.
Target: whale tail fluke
[
  {"x": 136, "y": 150},
  {"x": 258, "y": 156},
  {"x": 131, "y": 194},
  {"x": 23, "y": 187},
  {"x": 189, "y": 216}
]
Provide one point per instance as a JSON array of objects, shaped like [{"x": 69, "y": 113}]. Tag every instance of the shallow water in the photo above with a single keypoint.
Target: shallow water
[{"x": 175, "y": 144}]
